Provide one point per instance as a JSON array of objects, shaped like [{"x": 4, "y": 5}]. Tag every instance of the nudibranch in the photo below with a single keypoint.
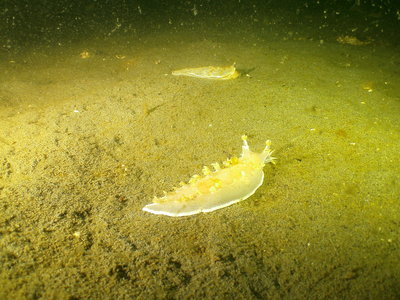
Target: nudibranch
[
  {"x": 237, "y": 179},
  {"x": 210, "y": 72}
]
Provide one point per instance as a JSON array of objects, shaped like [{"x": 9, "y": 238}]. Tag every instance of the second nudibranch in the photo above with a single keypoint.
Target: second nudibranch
[{"x": 235, "y": 181}]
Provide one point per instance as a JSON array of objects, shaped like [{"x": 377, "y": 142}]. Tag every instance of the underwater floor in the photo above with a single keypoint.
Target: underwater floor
[{"x": 90, "y": 132}]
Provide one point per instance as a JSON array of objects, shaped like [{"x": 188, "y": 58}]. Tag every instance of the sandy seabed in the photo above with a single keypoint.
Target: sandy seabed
[{"x": 86, "y": 140}]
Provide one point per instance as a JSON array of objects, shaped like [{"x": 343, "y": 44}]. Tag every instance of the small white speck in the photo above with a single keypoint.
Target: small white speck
[
  {"x": 76, "y": 111},
  {"x": 194, "y": 10}
]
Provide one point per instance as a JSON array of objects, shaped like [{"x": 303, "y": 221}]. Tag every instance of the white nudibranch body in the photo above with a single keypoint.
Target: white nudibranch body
[
  {"x": 235, "y": 181},
  {"x": 210, "y": 72}
]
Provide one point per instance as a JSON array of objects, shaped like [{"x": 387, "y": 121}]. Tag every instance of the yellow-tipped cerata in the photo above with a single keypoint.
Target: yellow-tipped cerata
[{"x": 237, "y": 180}]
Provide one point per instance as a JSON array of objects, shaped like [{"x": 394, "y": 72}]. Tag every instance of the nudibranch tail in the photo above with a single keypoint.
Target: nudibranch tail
[{"x": 235, "y": 181}]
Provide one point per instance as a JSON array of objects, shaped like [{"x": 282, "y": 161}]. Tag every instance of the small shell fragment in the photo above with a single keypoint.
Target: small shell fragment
[{"x": 351, "y": 40}]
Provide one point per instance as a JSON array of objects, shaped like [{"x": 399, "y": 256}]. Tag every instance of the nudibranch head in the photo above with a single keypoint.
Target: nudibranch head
[
  {"x": 236, "y": 180},
  {"x": 264, "y": 157}
]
